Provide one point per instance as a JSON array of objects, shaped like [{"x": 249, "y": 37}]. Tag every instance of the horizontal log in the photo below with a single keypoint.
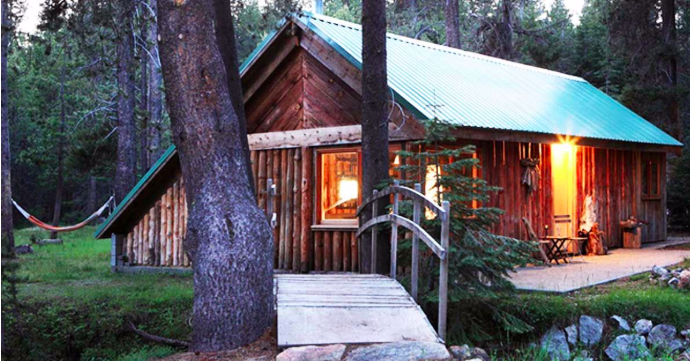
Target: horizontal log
[{"x": 314, "y": 137}]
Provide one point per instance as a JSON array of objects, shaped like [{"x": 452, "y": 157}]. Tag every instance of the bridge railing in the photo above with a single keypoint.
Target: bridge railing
[{"x": 441, "y": 249}]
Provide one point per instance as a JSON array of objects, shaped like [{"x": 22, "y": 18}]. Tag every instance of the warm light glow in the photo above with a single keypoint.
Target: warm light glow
[
  {"x": 348, "y": 189},
  {"x": 396, "y": 160},
  {"x": 430, "y": 189}
]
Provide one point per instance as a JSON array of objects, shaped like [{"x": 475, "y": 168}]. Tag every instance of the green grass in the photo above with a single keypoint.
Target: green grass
[{"x": 71, "y": 306}]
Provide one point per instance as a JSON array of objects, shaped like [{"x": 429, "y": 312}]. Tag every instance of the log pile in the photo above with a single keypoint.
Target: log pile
[{"x": 158, "y": 238}]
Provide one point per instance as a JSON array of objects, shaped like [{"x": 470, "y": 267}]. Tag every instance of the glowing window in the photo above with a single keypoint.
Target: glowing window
[{"x": 339, "y": 191}]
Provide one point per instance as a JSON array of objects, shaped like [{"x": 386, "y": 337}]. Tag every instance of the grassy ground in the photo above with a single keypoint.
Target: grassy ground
[{"x": 70, "y": 306}]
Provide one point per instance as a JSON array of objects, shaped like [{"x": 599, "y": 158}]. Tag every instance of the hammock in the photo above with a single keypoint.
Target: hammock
[{"x": 48, "y": 227}]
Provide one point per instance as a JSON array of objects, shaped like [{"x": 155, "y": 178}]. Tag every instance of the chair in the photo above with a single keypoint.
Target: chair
[
  {"x": 542, "y": 242},
  {"x": 565, "y": 218}
]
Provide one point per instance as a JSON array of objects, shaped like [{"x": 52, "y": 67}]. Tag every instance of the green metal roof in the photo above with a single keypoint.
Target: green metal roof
[
  {"x": 473, "y": 90},
  {"x": 136, "y": 190}
]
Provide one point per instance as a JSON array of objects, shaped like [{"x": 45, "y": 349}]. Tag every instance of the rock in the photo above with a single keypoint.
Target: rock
[
  {"x": 661, "y": 336},
  {"x": 477, "y": 353},
  {"x": 659, "y": 271},
  {"x": 621, "y": 322},
  {"x": 673, "y": 282},
  {"x": 627, "y": 347},
  {"x": 674, "y": 346},
  {"x": 685, "y": 356},
  {"x": 400, "y": 351},
  {"x": 684, "y": 279},
  {"x": 590, "y": 330},
  {"x": 583, "y": 356},
  {"x": 643, "y": 326},
  {"x": 461, "y": 353},
  {"x": 686, "y": 334},
  {"x": 571, "y": 332},
  {"x": 313, "y": 353},
  {"x": 23, "y": 249},
  {"x": 555, "y": 344}
]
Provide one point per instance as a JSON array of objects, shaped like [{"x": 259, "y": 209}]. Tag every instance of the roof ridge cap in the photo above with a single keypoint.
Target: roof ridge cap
[{"x": 443, "y": 48}]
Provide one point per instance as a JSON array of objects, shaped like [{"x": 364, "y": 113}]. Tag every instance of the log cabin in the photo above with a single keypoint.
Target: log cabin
[{"x": 302, "y": 93}]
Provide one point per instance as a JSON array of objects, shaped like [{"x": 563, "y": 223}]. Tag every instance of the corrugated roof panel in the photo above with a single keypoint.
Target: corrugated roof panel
[{"x": 474, "y": 90}]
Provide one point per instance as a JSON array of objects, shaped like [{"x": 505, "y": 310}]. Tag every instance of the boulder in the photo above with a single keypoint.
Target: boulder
[
  {"x": 23, "y": 249},
  {"x": 461, "y": 353},
  {"x": 477, "y": 353},
  {"x": 686, "y": 334},
  {"x": 662, "y": 336},
  {"x": 571, "y": 333},
  {"x": 660, "y": 272},
  {"x": 400, "y": 351},
  {"x": 673, "y": 282},
  {"x": 554, "y": 342},
  {"x": 627, "y": 347},
  {"x": 621, "y": 323},
  {"x": 684, "y": 279},
  {"x": 643, "y": 326},
  {"x": 313, "y": 353},
  {"x": 591, "y": 330}
]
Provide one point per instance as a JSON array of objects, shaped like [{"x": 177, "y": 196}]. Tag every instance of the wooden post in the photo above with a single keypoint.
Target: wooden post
[
  {"x": 163, "y": 230},
  {"x": 176, "y": 217},
  {"x": 115, "y": 251},
  {"x": 337, "y": 251},
  {"x": 168, "y": 227},
  {"x": 296, "y": 212},
  {"x": 130, "y": 245},
  {"x": 152, "y": 240},
  {"x": 156, "y": 234},
  {"x": 276, "y": 205},
  {"x": 374, "y": 214},
  {"x": 346, "y": 251},
  {"x": 288, "y": 207},
  {"x": 283, "y": 210},
  {"x": 305, "y": 212},
  {"x": 443, "y": 276},
  {"x": 327, "y": 255},
  {"x": 416, "y": 218},
  {"x": 394, "y": 233},
  {"x": 318, "y": 251},
  {"x": 262, "y": 179}
]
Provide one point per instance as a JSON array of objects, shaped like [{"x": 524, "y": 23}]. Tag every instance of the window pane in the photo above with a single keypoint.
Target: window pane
[{"x": 339, "y": 185}]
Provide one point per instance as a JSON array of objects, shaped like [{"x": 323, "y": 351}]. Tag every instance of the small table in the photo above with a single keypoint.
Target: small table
[{"x": 555, "y": 250}]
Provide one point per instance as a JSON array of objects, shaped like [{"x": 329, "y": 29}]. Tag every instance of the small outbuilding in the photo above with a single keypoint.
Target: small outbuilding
[{"x": 302, "y": 93}]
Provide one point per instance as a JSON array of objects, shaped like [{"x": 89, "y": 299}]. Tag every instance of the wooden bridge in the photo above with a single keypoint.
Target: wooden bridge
[{"x": 352, "y": 308}]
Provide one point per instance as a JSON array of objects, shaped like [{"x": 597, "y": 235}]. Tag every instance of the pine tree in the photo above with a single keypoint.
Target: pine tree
[{"x": 479, "y": 259}]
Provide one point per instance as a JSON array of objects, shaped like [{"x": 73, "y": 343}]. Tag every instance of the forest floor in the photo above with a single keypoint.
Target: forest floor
[{"x": 70, "y": 306}]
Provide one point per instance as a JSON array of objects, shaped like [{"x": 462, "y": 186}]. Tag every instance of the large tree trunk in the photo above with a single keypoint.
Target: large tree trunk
[
  {"x": 155, "y": 95},
  {"x": 59, "y": 181},
  {"x": 228, "y": 239},
  {"x": 374, "y": 120},
  {"x": 125, "y": 174},
  {"x": 506, "y": 30},
  {"x": 91, "y": 201},
  {"x": 225, "y": 38},
  {"x": 668, "y": 16},
  {"x": 452, "y": 14},
  {"x": 7, "y": 224},
  {"x": 144, "y": 98}
]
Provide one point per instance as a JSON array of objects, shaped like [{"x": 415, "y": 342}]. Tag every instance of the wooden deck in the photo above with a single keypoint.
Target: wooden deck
[{"x": 347, "y": 308}]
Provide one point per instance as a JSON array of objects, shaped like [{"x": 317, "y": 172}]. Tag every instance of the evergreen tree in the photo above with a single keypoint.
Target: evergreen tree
[{"x": 479, "y": 259}]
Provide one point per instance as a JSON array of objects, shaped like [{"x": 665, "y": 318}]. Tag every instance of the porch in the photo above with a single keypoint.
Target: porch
[{"x": 589, "y": 271}]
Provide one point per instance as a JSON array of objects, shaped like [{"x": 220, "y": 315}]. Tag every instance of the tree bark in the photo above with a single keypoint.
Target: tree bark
[
  {"x": 125, "y": 174},
  {"x": 225, "y": 38},
  {"x": 91, "y": 202},
  {"x": 228, "y": 236},
  {"x": 7, "y": 208},
  {"x": 145, "y": 156},
  {"x": 668, "y": 29},
  {"x": 452, "y": 15},
  {"x": 59, "y": 182},
  {"x": 506, "y": 30},
  {"x": 374, "y": 119},
  {"x": 155, "y": 95}
]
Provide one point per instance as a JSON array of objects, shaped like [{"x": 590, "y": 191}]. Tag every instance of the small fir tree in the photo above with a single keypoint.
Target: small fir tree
[{"x": 480, "y": 261}]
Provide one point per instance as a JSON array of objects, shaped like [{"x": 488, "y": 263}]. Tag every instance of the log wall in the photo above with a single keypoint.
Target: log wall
[{"x": 612, "y": 177}]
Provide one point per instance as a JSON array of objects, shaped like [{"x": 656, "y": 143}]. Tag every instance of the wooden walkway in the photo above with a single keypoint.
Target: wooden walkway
[{"x": 347, "y": 308}]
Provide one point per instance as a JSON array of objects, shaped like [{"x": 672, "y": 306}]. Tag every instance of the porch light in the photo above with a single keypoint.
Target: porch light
[{"x": 348, "y": 189}]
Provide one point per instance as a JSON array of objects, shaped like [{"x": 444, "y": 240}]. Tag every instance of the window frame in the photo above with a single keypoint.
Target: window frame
[{"x": 646, "y": 172}]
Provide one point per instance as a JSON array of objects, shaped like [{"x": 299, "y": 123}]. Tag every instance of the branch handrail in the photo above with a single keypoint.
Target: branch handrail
[{"x": 440, "y": 250}]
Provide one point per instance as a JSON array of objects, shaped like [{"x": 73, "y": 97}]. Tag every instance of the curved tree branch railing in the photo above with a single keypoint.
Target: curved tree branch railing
[{"x": 413, "y": 225}]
